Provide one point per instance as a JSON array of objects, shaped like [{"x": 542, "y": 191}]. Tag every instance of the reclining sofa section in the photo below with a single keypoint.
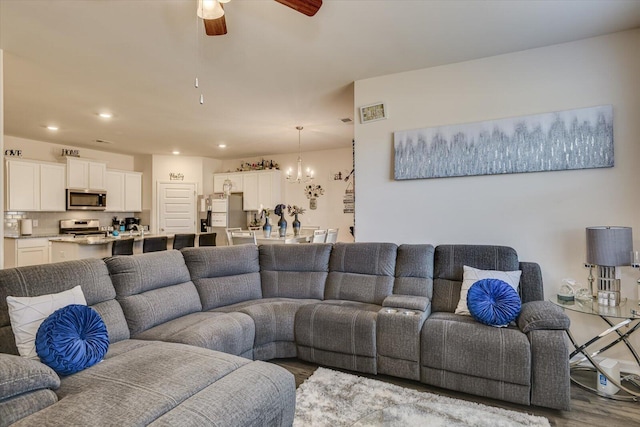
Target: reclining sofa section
[
  {"x": 367, "y": 307},
  {"x": 139, "y": 382}
]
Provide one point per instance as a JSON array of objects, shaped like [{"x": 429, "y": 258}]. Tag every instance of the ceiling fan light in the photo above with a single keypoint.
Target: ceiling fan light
[{"x": 210, "y": 9}]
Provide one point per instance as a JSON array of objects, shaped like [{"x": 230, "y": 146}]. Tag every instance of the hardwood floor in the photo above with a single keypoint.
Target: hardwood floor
[{"x": 588, "y": 409}]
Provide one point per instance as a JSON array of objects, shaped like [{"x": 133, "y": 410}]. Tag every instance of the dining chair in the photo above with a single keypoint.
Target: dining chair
[
  {"x": 319, "y": 236},
  {"x": 208, "y": 239},
  {"x": 154, "y": 244},
  {"x": 228, "y": 231},
  {"x": 184, "y": 241},
  {"x": 307, "y": 230},
  {"x": 332, "y": 235},
  {"x": 122, "y": 247},
  {"x": 243, "y": 238}
]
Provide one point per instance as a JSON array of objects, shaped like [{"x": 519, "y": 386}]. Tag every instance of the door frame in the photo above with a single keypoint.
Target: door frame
[{"x": 156, "y": 217}]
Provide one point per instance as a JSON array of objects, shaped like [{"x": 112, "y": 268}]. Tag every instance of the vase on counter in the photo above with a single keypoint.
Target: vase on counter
[
  {"x": 266, "y": 228},
  {"x": 296, "y": 226},
  {"x": 313, "y": 203},
  {"x": 283, "y": 226}
]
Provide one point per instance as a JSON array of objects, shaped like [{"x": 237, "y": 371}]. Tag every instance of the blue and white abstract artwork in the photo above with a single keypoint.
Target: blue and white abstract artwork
[{"x": 572, "y": 139}]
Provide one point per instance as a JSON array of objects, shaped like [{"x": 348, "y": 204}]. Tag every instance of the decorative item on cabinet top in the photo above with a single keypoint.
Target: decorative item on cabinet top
[
  {"x": 68, "y": 152},
  {"x": 258, "y": 166},
  {"x": 13, "y": 153}
]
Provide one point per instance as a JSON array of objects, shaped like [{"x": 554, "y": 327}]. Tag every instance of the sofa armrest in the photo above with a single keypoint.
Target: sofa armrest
[
  {"x": 19, "y": 375},
  {"x": 409, "y": 302},
  {"x": 542, "y": 315},
  {"x": 531, "y": 287}
]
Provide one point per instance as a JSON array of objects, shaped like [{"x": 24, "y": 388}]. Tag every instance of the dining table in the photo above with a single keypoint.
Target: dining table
[{"x": 274, "y": 239}]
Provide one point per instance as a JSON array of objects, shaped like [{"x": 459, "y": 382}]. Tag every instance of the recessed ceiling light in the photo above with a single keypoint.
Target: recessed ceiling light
[
  {"x": 52, "y": 127},
  {"x": 105, "y": 115},
  {"x": 222, "y": 145},
  {"x": 176, "y": 152}
]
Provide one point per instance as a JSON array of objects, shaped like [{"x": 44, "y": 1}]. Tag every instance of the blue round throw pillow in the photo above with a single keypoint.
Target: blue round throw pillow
[
  {"x": 493, "y": 302},
  {"x": 72, "y": 339}
]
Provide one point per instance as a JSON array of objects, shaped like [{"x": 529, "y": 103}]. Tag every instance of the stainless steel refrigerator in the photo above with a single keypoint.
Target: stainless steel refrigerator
[{"x": 227, "y": 213}]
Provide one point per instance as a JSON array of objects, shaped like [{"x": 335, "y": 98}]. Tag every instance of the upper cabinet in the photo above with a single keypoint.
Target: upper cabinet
[
  {"x": 115, "y": 191},
  {"x": 236, "y": 179},
  {"x": 35, "y": 186},
  {"x": 124, "y": 191},
  {"x": 52, "y": 187},
  {"x": 83, "y": 174},
  {"x": 257, "y": 187},
  {"x": 132, "y": 192}
]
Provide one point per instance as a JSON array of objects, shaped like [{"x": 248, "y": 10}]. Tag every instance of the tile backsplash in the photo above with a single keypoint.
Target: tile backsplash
[{"x": 49, "y": 222}]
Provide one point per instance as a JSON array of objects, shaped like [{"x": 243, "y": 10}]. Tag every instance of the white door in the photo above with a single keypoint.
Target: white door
[{"x": 176, "y": 207}]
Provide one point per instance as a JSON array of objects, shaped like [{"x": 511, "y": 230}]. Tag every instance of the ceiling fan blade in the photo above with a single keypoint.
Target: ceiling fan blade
[
  {"x": 215, "y": 27},
  {"x": 308, "y": 7}
]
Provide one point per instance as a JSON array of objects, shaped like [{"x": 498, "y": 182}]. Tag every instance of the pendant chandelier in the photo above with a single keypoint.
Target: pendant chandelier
[{"x": 300, "y": 177}]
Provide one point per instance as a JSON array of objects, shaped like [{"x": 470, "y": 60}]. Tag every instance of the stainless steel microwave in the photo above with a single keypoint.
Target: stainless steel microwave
[{"x": 86, "y": 200}]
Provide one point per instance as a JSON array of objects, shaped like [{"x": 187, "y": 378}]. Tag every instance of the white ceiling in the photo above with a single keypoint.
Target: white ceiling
[{"x": 64, "y": 61}]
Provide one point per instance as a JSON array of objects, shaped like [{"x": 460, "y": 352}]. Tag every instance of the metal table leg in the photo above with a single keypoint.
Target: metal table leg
[{"x": 633, "y": 395}]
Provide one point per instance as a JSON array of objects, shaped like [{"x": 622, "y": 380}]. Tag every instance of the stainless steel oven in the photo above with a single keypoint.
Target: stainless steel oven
[
  {"x": 86, "y": 200},
  {"x": 81, "y": 227}
]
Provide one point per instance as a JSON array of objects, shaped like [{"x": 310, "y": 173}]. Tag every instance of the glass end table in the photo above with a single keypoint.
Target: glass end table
[{"x": 627, "y": 314}]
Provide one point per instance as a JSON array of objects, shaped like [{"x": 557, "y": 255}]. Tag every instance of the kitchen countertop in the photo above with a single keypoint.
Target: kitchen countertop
[
  {"x": 32, "y": 236},
  {"x": 88, "y": 240},
  {"x": 101, "y": 240}
]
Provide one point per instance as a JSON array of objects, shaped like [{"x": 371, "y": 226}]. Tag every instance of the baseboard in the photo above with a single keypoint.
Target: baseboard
[{"x": 626, "y": 366}]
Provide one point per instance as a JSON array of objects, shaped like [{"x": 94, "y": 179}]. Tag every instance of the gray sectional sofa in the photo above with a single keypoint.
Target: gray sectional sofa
[{"x": 190, "y": 331}]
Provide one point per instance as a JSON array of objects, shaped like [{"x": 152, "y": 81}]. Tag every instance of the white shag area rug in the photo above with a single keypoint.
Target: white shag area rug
[{"x": 331, "y": 398}]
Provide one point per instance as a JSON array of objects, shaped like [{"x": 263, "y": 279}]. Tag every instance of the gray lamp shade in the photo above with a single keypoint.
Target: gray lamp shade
[{"x": 609, "y": 246}]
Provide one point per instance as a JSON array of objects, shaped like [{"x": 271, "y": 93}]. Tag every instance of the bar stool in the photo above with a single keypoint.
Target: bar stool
[
  {"x": 122, "y": 247},
  {"x": 154, "y": 244},
  {"x": 184, "y": 241},
  {"x": 208, "y": 239}
]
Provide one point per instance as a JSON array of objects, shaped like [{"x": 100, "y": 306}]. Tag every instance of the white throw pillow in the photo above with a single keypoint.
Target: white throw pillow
[
  {"x": 471, "y": 275},
  {"x": 27, "y": 314}
]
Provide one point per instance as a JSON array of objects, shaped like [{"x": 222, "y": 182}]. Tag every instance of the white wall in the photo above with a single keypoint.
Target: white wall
[
  {"x": 325, "y": 164},
  {"x": 542, "y": 215},
  {"x": 49, "y": 152}
]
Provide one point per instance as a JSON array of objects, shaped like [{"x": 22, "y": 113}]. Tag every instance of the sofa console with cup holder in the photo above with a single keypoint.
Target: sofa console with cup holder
[{"x": 189, "y": 331}]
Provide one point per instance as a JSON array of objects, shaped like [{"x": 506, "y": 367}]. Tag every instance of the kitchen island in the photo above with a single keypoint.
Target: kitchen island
[{"x": 70, "y": 248}]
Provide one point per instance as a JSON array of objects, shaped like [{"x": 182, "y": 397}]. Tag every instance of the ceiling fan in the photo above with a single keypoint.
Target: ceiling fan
[{"x": 212, "y": 13}]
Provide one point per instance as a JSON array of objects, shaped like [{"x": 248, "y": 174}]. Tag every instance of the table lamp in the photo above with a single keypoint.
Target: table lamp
[{"x": 608, "y": 248}]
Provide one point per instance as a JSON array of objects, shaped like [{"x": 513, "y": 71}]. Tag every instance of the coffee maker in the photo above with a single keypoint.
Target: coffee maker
[{"x": 129, "y": 222}]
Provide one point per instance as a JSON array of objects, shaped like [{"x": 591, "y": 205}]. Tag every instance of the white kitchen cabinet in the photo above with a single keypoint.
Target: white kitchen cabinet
[
  {"x": 23, "y": 186},
  {"x": 35, "y": 186},
  {"x": 250, "y": 193},
  {"x": 52, "y": 187},
  {"x": 124, "y": 191},
  {"x": 115, "y": 191},
  {"x": 23, "y": 252},
  {"x": 132, "y": 192},
  {"x": 236, "y": 178},
  {"x": 261, "y": 188},
  {"x": 86, "y": 174}
]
